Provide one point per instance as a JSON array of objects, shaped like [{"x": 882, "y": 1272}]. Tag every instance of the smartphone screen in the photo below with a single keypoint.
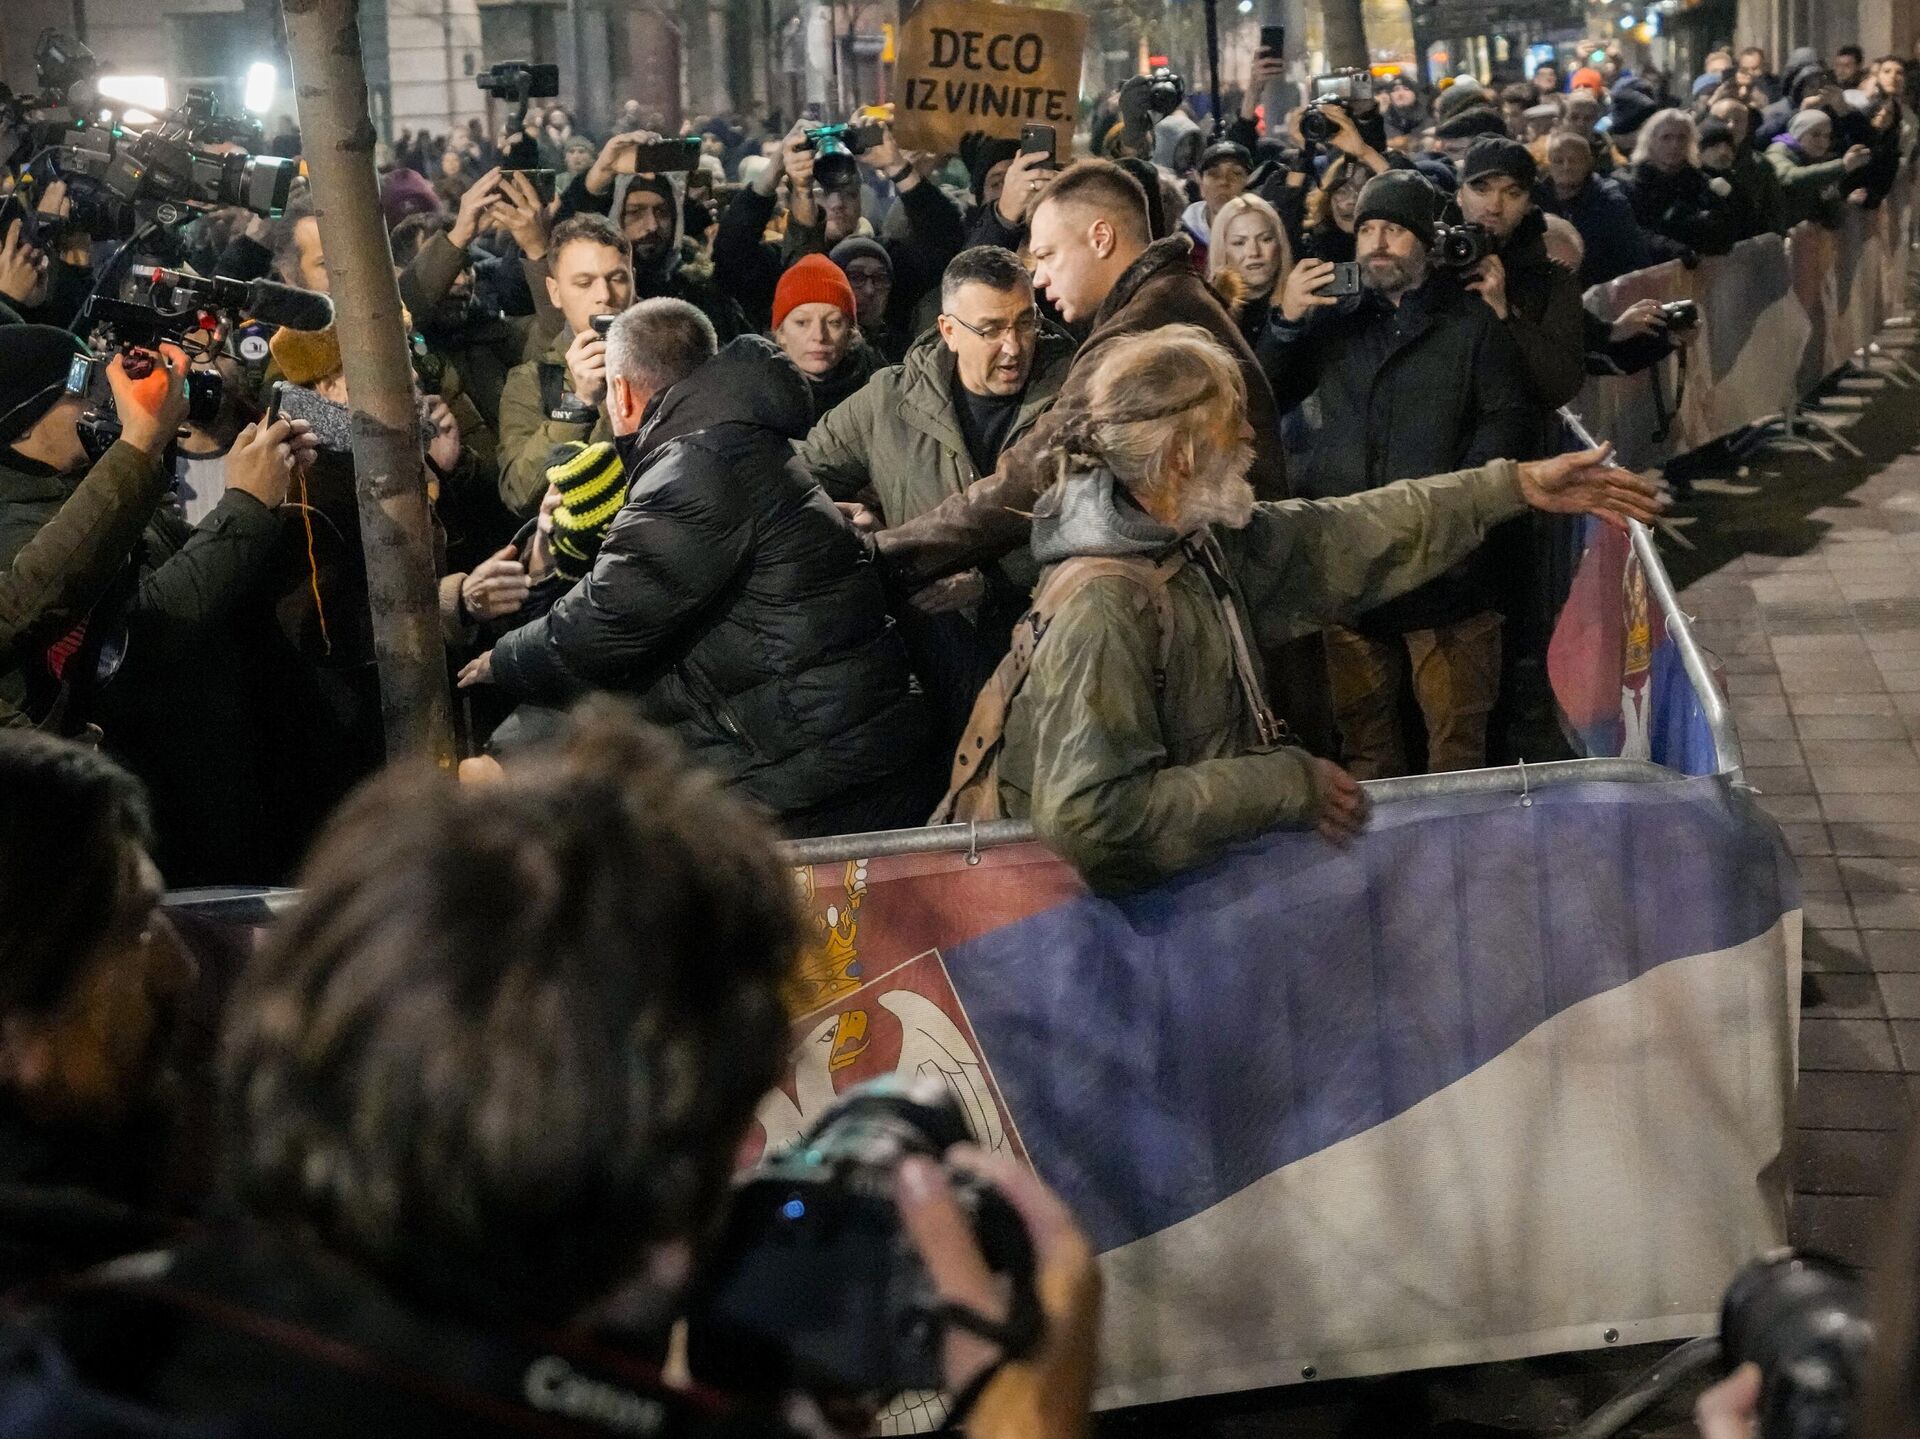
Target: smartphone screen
[{"x": 80, "y": 375}]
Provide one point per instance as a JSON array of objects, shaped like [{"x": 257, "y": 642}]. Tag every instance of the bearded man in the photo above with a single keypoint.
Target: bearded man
[{"x": 1129, "y": 720}]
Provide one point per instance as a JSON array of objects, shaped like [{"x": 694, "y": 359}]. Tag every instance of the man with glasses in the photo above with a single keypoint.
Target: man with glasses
[{"x": 929, "y": 428}]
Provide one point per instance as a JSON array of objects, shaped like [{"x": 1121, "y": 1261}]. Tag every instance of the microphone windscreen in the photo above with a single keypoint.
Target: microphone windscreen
[{"x": 296, "y": 309}]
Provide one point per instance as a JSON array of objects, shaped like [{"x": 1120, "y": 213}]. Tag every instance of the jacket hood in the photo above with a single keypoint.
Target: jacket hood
[
  {"x": 661, "y": 268},
  {"x": 1087, "y": 513},
  {"x": 750, "y": 382}
]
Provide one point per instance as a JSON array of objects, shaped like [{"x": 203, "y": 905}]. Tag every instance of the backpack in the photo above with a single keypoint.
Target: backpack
[{"x": 973, "y": 789}]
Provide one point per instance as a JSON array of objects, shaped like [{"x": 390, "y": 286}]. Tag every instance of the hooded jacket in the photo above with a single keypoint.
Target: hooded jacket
[
  {"x": 679, "y": 272},
  {"x": 732, "y": 597},
  {"x": 1133, "y": 775}
]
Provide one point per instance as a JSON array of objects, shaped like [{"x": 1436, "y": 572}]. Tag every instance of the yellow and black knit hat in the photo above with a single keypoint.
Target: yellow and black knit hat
[{"x": 591, "y": 481}]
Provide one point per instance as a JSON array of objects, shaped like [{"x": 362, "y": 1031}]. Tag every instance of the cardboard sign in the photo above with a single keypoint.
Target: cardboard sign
[{"x": 991, "y": 68}]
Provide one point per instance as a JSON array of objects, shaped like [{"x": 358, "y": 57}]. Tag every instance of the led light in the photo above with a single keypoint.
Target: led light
[
  {"x": 262, "y": 81},
  {"x": 1246, "y": 7},
  {"x": 149, "y": 92}
]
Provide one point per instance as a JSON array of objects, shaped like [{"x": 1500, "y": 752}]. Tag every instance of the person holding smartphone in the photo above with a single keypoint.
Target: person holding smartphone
[{"x": 1413, "y": 376}]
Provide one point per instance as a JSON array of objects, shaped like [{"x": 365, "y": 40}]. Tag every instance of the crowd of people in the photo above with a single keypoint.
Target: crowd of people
[
  {"x": 804, "y": 457},
  {"x": 760, "y": 443}
]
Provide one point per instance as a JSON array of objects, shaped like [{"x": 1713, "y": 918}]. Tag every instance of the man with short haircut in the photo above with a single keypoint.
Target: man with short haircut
[
  {"x": 1536, "y": 300},
  {"x": 1414, "y": 377},
  {"x": 729, "y": 595},
  {"x": 1093, "y": 257},
  {"x": 1849, "y": 67},
  {"x": 557, "y": 399},
  {"x": 1095, "y": 260},
  {"x": 1763, "y": 82},
  {"x": 651, "y": 213},
  {"x": 931, "y": 428}
]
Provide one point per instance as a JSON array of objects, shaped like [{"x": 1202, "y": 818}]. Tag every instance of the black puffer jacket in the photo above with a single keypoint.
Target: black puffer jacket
[{"x": 732, "y": 596}]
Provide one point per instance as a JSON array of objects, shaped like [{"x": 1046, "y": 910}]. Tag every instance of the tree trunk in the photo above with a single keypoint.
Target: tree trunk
[
  {"x": 1346, "y": 33},
  {"x": 396, "y": 528}
]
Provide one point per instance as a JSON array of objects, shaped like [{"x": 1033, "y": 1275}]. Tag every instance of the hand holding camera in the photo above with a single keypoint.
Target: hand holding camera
[
  {"x": 153, "y": 406},
  {"x": 587, "y": 365},
  {"x": 22, "y": 266},
  {"x": 1026, "y": 178},
  {"x": 1488, "y": 280}
]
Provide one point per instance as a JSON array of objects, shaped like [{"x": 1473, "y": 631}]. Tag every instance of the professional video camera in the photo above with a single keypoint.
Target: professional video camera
[
  {"x": 1461, "y": 247},
  {"x": 816, "y": 1287},
  {"x": 194, "y": 160},
  {"x": 517, "y": 82},
  {"x": 1345, "y": 88},
  {"x": 157, "y": 305}
]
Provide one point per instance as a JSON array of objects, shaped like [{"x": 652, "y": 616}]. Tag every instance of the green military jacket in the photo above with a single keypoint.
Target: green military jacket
[
  {"x": 528, "y": 432},
  {"x": 897, "y": 443},
  {"x": 1133, "y": 776},
  {"x": 51, "y": 573}
]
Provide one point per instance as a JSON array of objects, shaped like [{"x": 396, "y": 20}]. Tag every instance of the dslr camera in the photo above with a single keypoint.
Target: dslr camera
[
  {"x": 855, "y": 137},
  {"x": 1165, "y": 91},
  {"x": 1461, "y": 247},
  {"x": 815, "y": 1285},
  {"x": 1679, "y": 316},
  {"x": 1799, "y": 1318},
  {"x": 1345, "y": 88}
]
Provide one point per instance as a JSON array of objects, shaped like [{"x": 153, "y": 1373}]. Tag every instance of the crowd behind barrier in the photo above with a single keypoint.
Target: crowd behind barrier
[
  {"x": 1778, "y": 318},
  {"x": 1337, "y": 1080}
]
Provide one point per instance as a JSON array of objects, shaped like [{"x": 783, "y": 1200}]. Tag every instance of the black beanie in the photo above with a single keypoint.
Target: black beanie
[
  {"x": 34, "y": 376},
  {"x": 1496, "y": 155},
  {"x": 1225, "y": 152},
  {"x": 1404, "y": 198}
]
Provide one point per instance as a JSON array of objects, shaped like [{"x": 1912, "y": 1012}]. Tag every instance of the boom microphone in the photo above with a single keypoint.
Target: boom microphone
[{"x": 264, "y": 300}]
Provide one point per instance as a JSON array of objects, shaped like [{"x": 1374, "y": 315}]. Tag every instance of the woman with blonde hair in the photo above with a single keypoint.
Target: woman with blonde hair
[
  {"x": 1683, "y": 211},
  {"x": 1248, "y": 261}
]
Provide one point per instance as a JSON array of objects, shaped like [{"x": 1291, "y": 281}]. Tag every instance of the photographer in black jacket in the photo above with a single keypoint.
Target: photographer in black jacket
[
  {"x": 1414, "y": 376},
  {"x": 731, "y": 594},
  {"x": 484, "y": 1090}
]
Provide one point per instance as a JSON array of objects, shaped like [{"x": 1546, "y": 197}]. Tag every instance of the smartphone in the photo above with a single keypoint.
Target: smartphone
[
  {"x": 541, "y": 180},
  {"x": 332, "y": 424},
  {"x": 1346, "y": 280},
  {"x": 660, "y": 157},
  {"x": 1273, "y": 41},
  {"x": 602, "y": 323},
  {"x": 1039, "y": 140}
]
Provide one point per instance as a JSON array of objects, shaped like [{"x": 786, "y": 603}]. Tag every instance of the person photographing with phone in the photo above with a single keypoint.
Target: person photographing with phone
[{"x": 1414, "y": 376}]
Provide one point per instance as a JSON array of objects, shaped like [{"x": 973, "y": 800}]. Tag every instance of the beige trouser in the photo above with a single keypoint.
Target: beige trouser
[{"x": 1456, "y": 677}]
